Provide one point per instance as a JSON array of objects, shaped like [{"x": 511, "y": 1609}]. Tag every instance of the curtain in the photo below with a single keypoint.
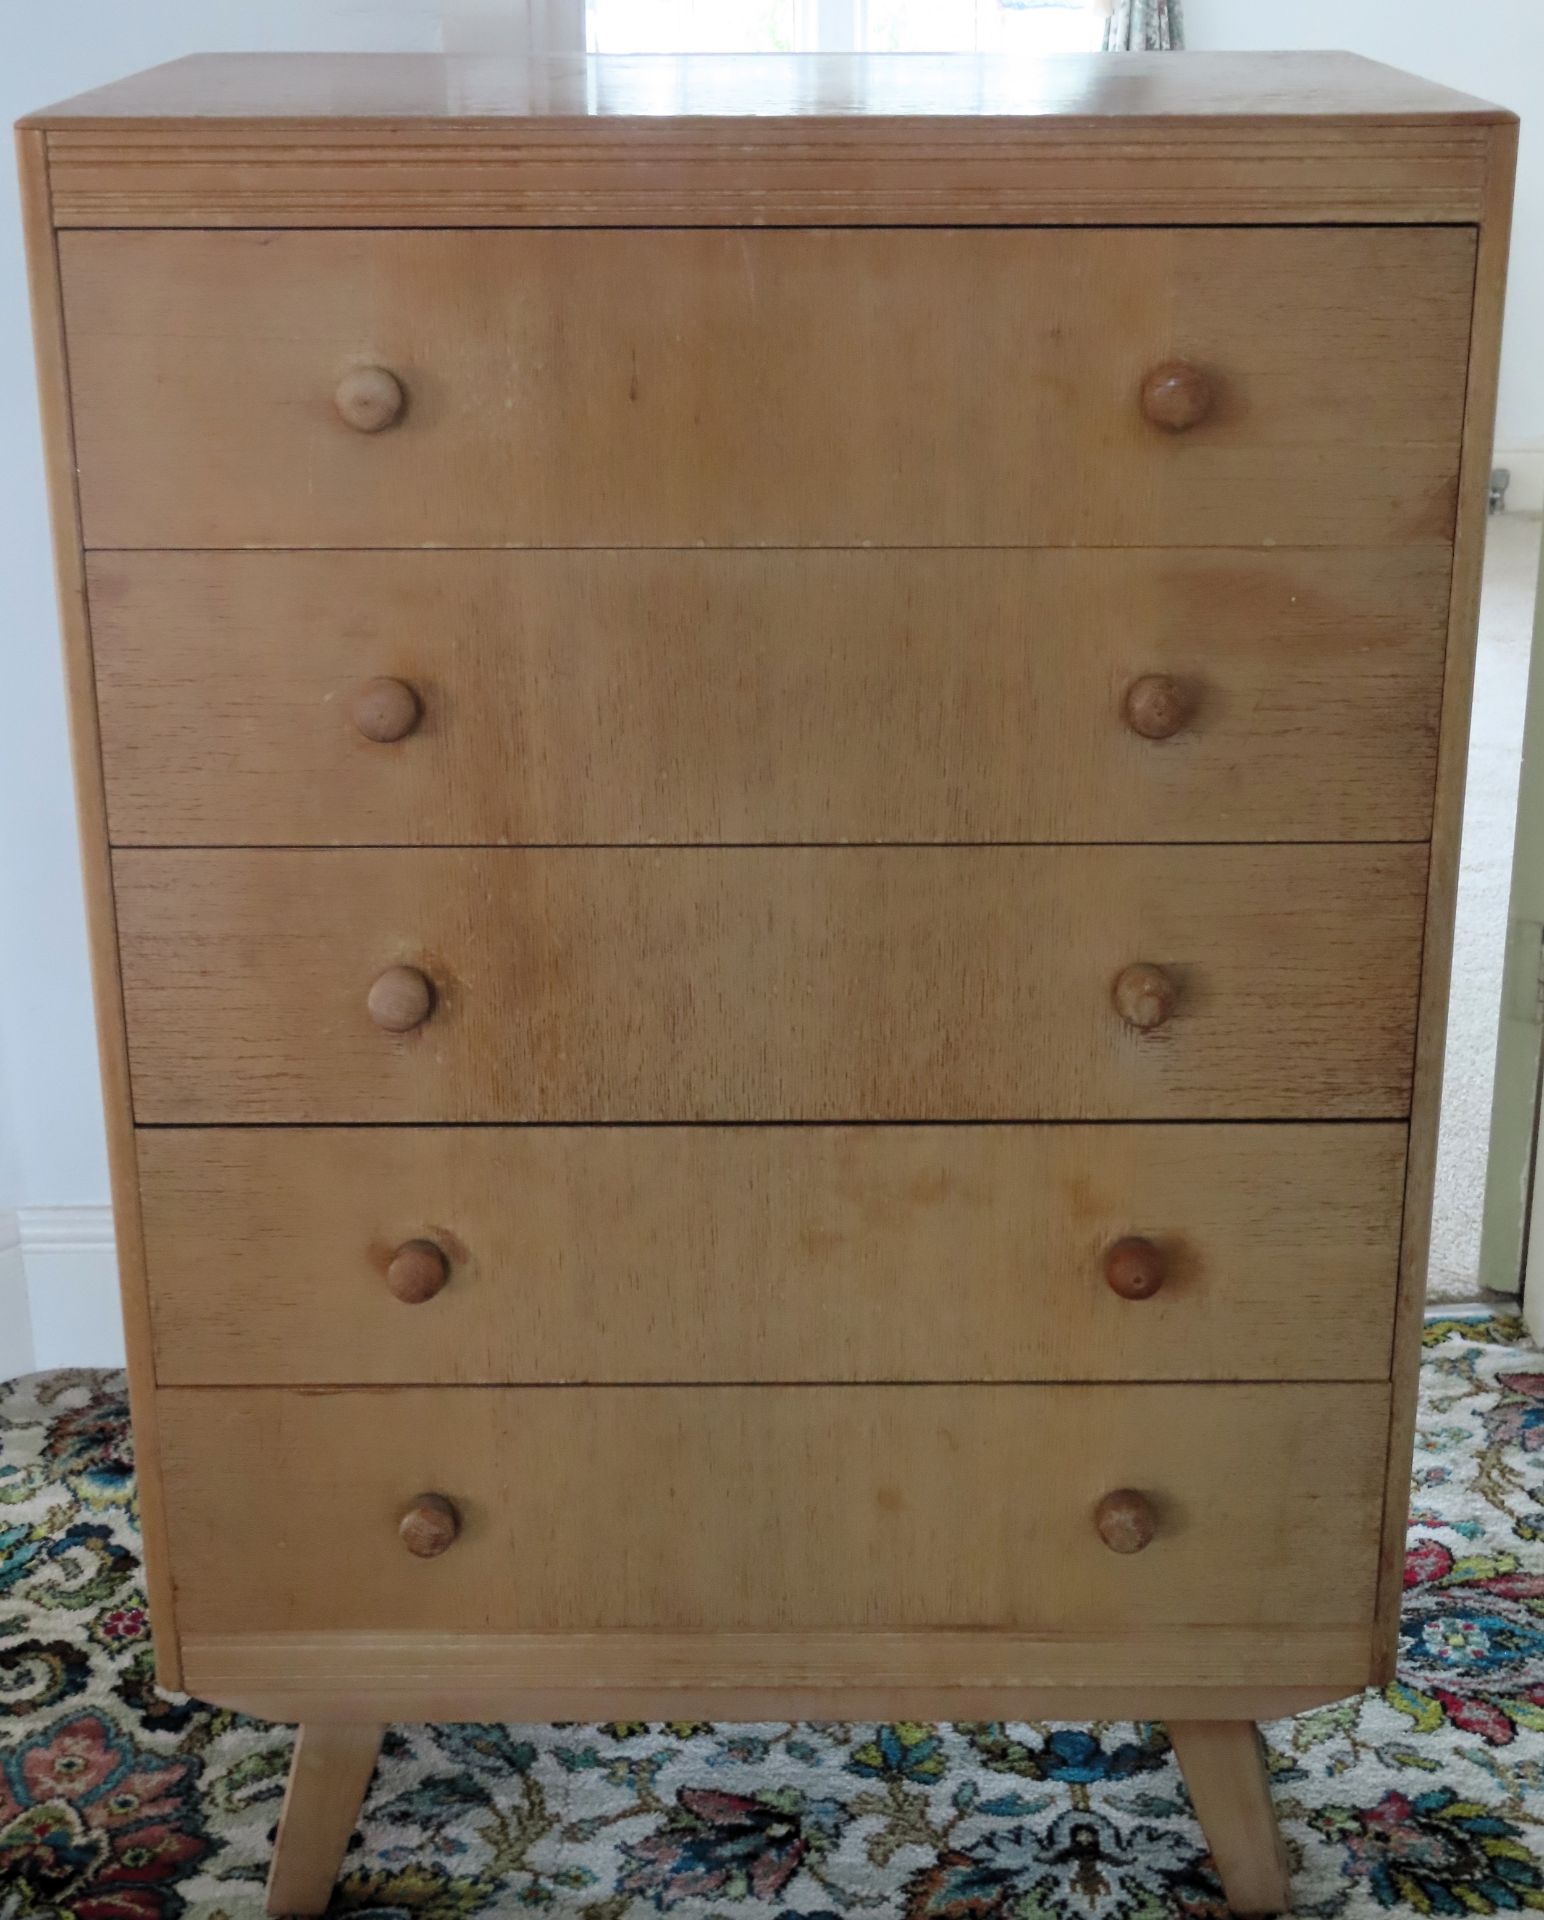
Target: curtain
[
  {"x": 522, "y": 27},
  {"x": 1149, "y": 24}
]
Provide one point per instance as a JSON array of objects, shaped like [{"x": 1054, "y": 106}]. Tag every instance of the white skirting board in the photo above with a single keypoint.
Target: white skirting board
[
  {"x": 58, "y": 1290},
  {"x": 1526, "y": 466},
  {"x": 15, "y": 1316}
]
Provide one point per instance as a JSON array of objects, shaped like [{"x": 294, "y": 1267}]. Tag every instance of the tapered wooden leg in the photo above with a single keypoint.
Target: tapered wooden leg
[
  {"x": 328, "y": 1779},
  {"x": 1224, "y": 1767}
]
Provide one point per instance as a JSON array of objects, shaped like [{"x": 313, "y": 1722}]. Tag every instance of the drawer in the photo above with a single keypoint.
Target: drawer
[
  {"x": 836, "y": 388},
  {"x": 771, "y": 983},
  {"x": 744, "y": 1509},
  {"x": 698, "y": 697},
  {"x": 405, "y": 1254}
]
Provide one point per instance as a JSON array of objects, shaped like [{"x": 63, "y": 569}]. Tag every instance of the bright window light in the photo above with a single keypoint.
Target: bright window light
[{"x": 842, "y": 26}]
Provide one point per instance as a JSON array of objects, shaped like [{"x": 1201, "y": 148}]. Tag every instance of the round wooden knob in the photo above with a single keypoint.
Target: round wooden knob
[
  {"x": 1144, "y": 996},
  {"x": 429, "y": 1526},
  {"x": 1135, "y": 1268},
  {"x": 1176, "y": 396},
  {"x": 1126, "y": 1521},
  {"x": 417, "y": 1271},
  {"x": 1157, "y": 707},
  {"x": 369, "y": 399},
  {"x": 401, "y": 999},
  {"x": 384, "y": 710}
]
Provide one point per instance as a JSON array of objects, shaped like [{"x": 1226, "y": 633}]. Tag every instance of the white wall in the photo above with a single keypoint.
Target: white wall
[{"x": 1493, "y": 48}]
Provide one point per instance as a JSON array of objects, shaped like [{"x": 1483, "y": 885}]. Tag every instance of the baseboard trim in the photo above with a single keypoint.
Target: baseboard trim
[
  {"x": 15, "y": 1313},
  {"x": 65, "y": 1229},
  {"x": 1526, "y": 466},
  {"x": 69, "y": 1265}
]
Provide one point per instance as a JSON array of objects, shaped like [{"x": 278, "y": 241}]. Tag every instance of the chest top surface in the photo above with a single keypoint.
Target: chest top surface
[{"x": 562, "y": 88}]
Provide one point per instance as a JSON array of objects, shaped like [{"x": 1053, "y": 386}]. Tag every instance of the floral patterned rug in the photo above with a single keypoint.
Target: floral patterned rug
[{"x": 118, "y": 1803}]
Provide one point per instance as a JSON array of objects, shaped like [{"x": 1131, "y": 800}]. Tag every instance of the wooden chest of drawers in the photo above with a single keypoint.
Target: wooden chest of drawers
[{"x": 770, "y": 759}]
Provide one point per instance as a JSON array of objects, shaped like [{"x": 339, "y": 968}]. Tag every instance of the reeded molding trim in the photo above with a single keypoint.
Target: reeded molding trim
[{"x": 636, "y": 172}]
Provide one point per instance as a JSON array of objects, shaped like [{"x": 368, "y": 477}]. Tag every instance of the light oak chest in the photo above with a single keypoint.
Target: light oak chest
[{"x": 770, "y": 757}]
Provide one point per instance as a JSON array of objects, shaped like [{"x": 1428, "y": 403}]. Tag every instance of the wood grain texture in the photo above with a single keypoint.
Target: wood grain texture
[
  {"x": 404, "y": 140},
  {"x": 741, "y": 697},
  {"x": 851, "y": 1548},
  {"x": 329, "y": 1776},
  {"x": 771, "y": 984},
  {"x": 768, "y": 389},
  {"x": 808, "y": 1253},
  {"x": 101, "y": 927},
  {"x": 1442, "y": 890},
  {"x": 758, "y": 1509},
  {"x": 1224, "y": 1767},
  {"x": 932, "y": 1675}
]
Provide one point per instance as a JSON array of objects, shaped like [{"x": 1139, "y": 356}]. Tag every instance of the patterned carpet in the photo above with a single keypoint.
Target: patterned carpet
[{"x": 119, "y": 1804}]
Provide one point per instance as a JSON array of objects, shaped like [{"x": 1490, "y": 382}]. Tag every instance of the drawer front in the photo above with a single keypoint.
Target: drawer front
[
  {"x": 772, "y": 1508},
  {"x": 771, "y": 1254},
  {"x": 770, "y": 984},
  {"x": 835, "y": 388},
  {"x": 618, "y": 698}
]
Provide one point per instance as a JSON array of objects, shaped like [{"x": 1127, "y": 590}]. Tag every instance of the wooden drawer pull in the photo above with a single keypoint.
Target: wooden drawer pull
[
  {"x": 1135, "y": 1268},
  {"x": 370, "y": 399},
  {"x": 400, "y": 999},
  {"x": 1144, "y": 996},
  {"x": 418, "y": 1270},
  {"x": 1158, "y": 707},
  {"x": 1176, "y": 396},
  {"x": 429, "y": 1526},
  {"x": 385, "y": 710},
  {"x": 1126, "y": 1521}
]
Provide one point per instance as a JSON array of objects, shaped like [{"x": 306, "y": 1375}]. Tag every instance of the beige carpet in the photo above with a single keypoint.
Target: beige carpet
[{"x": 1501, "y": 680}]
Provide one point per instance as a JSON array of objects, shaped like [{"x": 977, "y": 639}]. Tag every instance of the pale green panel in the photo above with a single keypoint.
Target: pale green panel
[{"x": 1514, "y": 1110}]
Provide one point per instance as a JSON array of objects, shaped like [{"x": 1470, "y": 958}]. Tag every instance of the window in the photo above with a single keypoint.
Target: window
[{"x": 842, "y": 26}]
